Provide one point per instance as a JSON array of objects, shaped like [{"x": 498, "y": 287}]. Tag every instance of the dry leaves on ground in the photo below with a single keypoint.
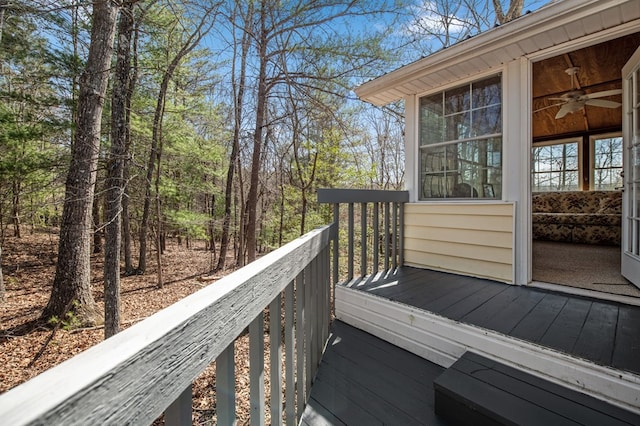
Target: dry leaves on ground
[{"x": 29, "y": 267}]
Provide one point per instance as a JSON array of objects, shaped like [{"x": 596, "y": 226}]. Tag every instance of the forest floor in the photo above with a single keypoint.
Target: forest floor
[{"x": 28, "y": 267}]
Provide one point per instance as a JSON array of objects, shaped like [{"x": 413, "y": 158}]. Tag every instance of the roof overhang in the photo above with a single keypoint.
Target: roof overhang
[{"x": 552, "y": 25}]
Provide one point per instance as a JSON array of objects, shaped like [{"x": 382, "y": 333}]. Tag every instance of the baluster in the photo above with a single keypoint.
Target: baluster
[
  {"x": 226, "y": 387},
  {"x": 275, "y": 360},
  {"x": 256, "y": 361},
  {"x": 179, "y": 412},
  {"x": 386, "y": 237},
  {"x": 300, "y": 328},
  {"x": 336, "y": 239},
  {"x": 376, "y": 236},
  {"x": 363, "y": 239},
  {"x": 351, "y": 244},
  {"x": 289, "y": 347},
  {"x": 401, "y": 234},
  {"x": 394, "y": 226}
]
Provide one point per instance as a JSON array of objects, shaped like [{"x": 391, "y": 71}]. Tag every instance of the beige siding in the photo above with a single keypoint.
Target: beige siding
[{"x": 469, "y": 239}]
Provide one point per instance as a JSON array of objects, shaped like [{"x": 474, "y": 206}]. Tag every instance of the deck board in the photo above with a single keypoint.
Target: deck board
[
  {"x": 566, "y": 329},
  {"x": 604, "y": 332},
  {"x": 365, "y": 380},
  {"x": 627, "y": 344},
  {"x": 600, "y": 326},
  {"x": 533, "y": 326}
]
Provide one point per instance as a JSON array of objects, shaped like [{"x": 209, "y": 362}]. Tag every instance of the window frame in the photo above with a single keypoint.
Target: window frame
[
  {"x": 563, "y": 141},
  {"x": 486, "y": 139}
]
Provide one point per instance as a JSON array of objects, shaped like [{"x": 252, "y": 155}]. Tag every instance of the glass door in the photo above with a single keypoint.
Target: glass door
[{"x": 631, "y": 196}]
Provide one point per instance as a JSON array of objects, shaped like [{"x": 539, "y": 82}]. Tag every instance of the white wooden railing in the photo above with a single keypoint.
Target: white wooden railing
[
  {"x": 148, "y": 369},
  {"x": 381, "y": 233}
]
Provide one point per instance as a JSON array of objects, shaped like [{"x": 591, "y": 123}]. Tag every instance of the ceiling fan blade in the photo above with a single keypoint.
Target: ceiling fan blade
[
  {"x": 602, "y": 94},
  {"x": 603, "y": 103},
  {"x": 547, "y": 107},
  {"x": 568, "y": 108}
]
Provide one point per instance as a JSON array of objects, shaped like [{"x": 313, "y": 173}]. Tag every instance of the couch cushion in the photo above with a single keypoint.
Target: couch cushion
[
  {"x": 611, "y": 203},
  {"x": 577, "y": 219},
  {"x": 608, "y": 202}
]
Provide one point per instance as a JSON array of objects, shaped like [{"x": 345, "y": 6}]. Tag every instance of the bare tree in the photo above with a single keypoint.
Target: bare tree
[
  {"x": 200, "y": 30},
  {"x": 72, "y": 286},
  {"x": 238, "y": 84},
  {"x": 514, "y": 11},
  {"x": 115, "y": 171}
]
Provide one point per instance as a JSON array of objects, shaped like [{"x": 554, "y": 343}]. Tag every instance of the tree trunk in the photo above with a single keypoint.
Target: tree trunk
[
  {"x": 15, "y": 213},
  {"x": 2, "y": 289},
  {"x": 115, "y": 173},
  {"x": 72, "y": 284},
  {"x": 126, "y": 222},
  {"x": 235, "y": 148},
  {"x": 97, "y": 226},
  {"x": 261, "y": 106}
]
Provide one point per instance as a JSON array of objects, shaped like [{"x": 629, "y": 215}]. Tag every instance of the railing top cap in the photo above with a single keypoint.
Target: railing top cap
[{"x": 326, "y": 195}]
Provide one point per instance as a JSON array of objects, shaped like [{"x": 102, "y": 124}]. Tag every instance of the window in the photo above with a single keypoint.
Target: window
[
  {"x": 460, "y": 138},
  {"x": 556, "y": 167},
  {"x": 593, "y": 163},
  {"x": 607, "y": 167}
]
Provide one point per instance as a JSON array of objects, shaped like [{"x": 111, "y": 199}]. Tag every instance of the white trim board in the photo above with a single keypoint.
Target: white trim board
[{"x": 443, "y": 341}]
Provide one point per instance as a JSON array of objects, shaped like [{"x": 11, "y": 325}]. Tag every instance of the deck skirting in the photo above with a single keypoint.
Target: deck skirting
[{"x": 443, "y": 341}]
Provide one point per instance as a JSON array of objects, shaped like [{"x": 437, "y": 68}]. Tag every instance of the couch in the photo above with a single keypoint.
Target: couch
[{"x": 587, "y": 217}]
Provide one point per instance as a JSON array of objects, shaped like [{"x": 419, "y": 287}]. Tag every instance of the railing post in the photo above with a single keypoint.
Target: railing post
[
  {"x": 363, "y": 239},
  {"x": 336, "y": 239},
  {"x": 226, "y": 387},
  {"x": 179, "y": 412}
]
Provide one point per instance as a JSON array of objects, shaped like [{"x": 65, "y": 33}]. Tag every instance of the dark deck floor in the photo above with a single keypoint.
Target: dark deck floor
[
  {"x": 607, "y": 333},
  {"x": 363, "y": 380}
]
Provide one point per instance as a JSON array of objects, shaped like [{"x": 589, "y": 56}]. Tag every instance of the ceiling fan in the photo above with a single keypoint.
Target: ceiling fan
[{"x": 576, "y": 99}]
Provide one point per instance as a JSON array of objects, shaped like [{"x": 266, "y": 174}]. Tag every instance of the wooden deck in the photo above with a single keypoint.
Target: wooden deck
[
  {"x": 363, "y": 380},
  {"x": 607, "y": 333}
]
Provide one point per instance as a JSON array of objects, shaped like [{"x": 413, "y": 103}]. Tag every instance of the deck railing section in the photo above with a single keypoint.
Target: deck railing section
[
  {"x": 383, "y": 236},
  {"x": 148, "y": 369}
]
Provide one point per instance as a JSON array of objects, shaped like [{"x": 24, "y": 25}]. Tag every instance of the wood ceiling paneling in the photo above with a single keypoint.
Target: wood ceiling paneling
[{"x": 599, "y": 69}]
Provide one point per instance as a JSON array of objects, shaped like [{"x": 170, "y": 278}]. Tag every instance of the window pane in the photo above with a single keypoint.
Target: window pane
[
  {"x": 431, "y": 120},
  {"x": 487, "y": 121},
  {"x": 457, "y": 100},
  {"x": 487, "y": 92},
  {"x": 464, "y": 170},
  {"x": 555, "y": 167},
  {"x": 458, "y": 126},
  {"x": 465, "y": 163},
  {"x": 607, "y": 163}
]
